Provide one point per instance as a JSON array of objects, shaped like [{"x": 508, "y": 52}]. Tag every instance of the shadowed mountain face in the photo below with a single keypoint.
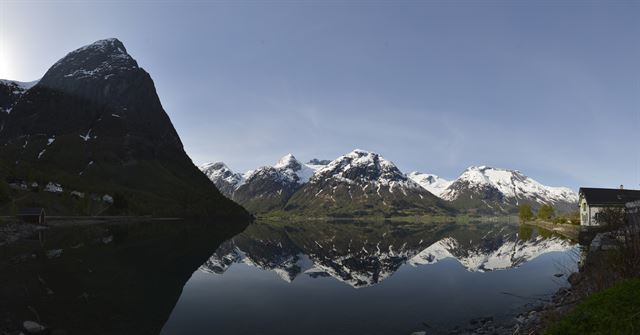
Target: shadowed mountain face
[
  {"x": 94, "y": 123},
  {"x": 116, "y": 279},
  {"x": 365, "y": 255}
]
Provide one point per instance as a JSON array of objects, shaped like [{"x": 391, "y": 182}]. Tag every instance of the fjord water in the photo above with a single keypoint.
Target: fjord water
[
  {"x": 104, "y": 278},
  {"x": 369, "y": 278}
]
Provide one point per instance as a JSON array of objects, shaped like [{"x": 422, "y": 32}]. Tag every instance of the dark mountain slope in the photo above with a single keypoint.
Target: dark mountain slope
[{"x": 95, "y": 124}]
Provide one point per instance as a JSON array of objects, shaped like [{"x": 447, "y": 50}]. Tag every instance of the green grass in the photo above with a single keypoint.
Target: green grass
[{"x": 614, "y": 311}]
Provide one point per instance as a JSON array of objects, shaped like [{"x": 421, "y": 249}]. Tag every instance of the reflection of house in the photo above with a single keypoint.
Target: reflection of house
[
  {"x": 33, "y": 215},
  {"x": 594, "y": 200}
]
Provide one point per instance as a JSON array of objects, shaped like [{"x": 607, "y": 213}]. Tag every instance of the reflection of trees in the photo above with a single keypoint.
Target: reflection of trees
[
  {"x": 545, "y": 233},
  {"x": 525, "y": 232}
]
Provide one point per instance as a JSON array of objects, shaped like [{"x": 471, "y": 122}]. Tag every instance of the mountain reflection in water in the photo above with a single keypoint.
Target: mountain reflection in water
[{"x": 404, "y": 269}]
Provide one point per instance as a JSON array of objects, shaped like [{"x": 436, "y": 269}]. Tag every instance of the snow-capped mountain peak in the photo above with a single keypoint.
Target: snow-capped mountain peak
[
  {"x": 223, "y": 177},
  {"x": 510, "y": 185},
  {"x": 220, "y": 170},
  {"x": 270, "y": 184},
  {"x": 430, "y": 182},
  {"x": 294, "y": 169},
  {"x": 362, "y": 176},
  {"x": 362, "y": 166},
  {"x": 287, "y": 161}
]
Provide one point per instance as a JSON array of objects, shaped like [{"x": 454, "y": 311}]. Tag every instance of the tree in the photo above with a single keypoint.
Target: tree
[
  {"x": 546, "y": 212},
  {"x": 525, "y": 213},
  {"x": 612, "y": 217}
]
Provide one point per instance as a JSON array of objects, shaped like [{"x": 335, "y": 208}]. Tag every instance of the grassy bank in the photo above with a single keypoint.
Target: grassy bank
[
  {"x": 604, "y": 297},
  {"x": 613, "y": 311}
]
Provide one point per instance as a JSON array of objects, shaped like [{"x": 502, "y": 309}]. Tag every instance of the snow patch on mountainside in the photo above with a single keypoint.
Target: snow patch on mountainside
[
  {"x": 364, "y": 167},
  {"x": 220, "y": 171},
  {"x": 288, "y": 169},
  {"x": 430, "y": 182},
  {"x": 293, "y": 169},
  {"x": 510, "y": 183}
]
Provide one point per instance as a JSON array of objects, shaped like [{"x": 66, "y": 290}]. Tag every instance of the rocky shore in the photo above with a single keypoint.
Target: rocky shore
[{"x": 593, "y": 276}]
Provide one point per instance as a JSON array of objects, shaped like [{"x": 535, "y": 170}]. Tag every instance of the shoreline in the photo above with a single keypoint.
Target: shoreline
[
  {"x": 569, "y": 231},
  {"x": 520, "y": 317}
]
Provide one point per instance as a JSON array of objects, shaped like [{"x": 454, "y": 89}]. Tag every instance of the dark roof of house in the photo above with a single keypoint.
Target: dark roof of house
[
  {"x": 30, "y": 211},
  {"x": 609, "y": 196}
]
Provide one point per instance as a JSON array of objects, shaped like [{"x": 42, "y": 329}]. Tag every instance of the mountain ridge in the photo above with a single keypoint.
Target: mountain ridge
[{"x": 479, "y": 189}]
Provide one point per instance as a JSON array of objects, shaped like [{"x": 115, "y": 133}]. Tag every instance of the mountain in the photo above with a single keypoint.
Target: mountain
[
  {"x": 94, "y": 123},
  {"x": 264, "y": 189},
  {"x": 270, "y": 187},
  {"x": 364, "y": 183},
  {"x": 10, "y": 92},
  {"x": 221, "y": 175},
  {"x": 361, "y": 183},
  {"x": 430, "y": 182},
  {"x": 485, "y": 189}
]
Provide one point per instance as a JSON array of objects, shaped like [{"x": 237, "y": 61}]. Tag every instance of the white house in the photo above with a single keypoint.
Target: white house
[{"x": 594, "y": 200}]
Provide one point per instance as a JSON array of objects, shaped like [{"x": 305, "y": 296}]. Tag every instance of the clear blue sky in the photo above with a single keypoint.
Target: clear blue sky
[{"x": 551, "y": 88}]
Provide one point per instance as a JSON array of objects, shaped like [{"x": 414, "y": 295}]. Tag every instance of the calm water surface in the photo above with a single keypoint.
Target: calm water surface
[{"x": 369, "y": 278}]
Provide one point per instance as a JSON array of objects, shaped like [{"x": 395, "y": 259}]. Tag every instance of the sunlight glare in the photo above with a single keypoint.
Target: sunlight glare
[{"x": 6, "y": 64}]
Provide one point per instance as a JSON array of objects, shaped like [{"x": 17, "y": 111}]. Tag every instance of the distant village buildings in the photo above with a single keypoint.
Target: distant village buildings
[{"x": 593, "y": 200}]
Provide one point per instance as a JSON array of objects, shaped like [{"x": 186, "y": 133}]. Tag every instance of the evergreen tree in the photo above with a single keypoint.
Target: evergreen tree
[
  {"x": 546, "y": 212},
  {"x": 526, "y": 214}
]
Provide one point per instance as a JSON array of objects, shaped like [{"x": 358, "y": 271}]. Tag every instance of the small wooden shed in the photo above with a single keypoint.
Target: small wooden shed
[{"x": 35, "y": 215}]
